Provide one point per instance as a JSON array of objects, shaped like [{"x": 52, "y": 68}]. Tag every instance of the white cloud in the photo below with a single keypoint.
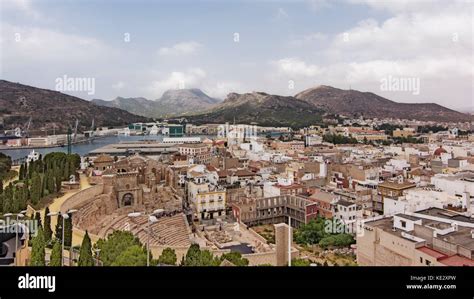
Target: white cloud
[
  {"x": 23, "y": 6},
  {"x": 191, "y": 78},
  {"x": 24, "y": 45},
  {"x": 281, "y": 13},
  {"x": 309, "y": 39},
  {"x": 118, "y": 85},
  {"x": 317, "y": 5},
  {"x": 433, "y": 43},
  {"x": 183, "y": 48},
  {"x": 221, "y": 89},
  {"x": 295, "y": 67}
]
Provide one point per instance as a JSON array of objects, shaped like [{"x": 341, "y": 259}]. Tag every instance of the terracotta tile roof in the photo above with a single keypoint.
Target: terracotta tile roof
[
  {"x": 103, "y": 159},
  {"x": 457, "y": 260},
  {"x": 431, "y": 252},
  {"x": 243, "y": 172}
]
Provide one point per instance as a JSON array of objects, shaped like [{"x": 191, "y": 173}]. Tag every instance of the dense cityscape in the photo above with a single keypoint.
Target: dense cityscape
[{"x": 355, "y": 192}]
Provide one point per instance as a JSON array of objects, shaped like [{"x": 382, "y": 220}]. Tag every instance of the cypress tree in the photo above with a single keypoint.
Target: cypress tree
[
  {"x": 68, "y": 231},
  {"x": 38, "y": 250},
  {"x": 59, "y": 228},
  {"x": 51, "y": 183},
  {"x": 56, "y": 254},
  {"x": 15, "y": 204},
  {"x": 35, "y": 190},
  {"x": 25, "y": 171},
  {"x": 72, "y": 168},
  {"x": 66, "y": 171},
  {"x": 8, "y": 199},
  {"x": 22, "y": 198},
  {"x": 38, "y": 218},
  {"x": 85, "y": 255},
  {"x": 47, "y": 226},
  {"x": 22, "y": 170},
  {"x": 58, "y": 178}
]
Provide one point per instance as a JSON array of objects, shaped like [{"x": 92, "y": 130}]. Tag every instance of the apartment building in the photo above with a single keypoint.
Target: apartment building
[
  {"x": 197, "y": 153},
  {"x": 433, "y": 237}
]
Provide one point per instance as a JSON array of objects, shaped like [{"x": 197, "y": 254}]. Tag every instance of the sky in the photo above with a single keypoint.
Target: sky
[{"x": 405, "y": 50}]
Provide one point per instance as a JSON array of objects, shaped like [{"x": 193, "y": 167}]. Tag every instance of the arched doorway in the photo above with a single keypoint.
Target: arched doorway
[{"x": 127, "y": 199}]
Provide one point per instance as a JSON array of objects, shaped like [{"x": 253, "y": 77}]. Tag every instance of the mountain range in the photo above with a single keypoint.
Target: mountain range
[
  {"x": 172, "y": 102},
  {"x": 262, "y": 109},
  {"x": 303, "y": 109},
  {"x": 367, "y": 104},
  {"x": 52, "y": 110},
  {"x": 311, "y": 105}
]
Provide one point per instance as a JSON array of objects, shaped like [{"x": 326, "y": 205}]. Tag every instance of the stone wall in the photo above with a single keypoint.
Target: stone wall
[
  {"x": 81, "y": 197},
  {"x": 256, "y": 259}
]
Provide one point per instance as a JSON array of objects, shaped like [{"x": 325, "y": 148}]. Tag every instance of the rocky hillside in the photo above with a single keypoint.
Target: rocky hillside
[
  {"x": 173, "y": 102},
  {"x": 51, "y": 109},
  {"x": 262, "y": 109},
  {"x": 367, "y": 104}
]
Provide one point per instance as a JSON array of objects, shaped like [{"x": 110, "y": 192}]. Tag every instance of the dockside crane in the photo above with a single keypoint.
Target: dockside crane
[
  {"x": 75, "y": 131},
  {"x": 27, "y": 127}
]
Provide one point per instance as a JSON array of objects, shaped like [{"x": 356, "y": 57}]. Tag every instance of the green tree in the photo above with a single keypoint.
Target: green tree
[
  {"x": 312, "y": 232},
  {"x": 300, "y": 263},
  {"x": 58, "y": 231},
  {"x": 36, "y": 188},
  {"x": 22, "y": 197},
  {"x": 168, "y": 257},
  {"x": 8, "y": 199},
  {"x": 22, "y": 172},
  {"x": 38, "y": 249},
  {"x": 48, "y": 233},
  {"x": 5, "y": 165},
  {"x": 193, "y": 256},
  {"x": 50, "y": 182},
  {"x": 85, "y": 255},
  {"x": 235, "y": 258},
  {"x": 37, "y": 217},
  {"x": 196, "y": 257},
  {"x": 68, "y": 231},
  {"x": 339, "y": 240},
  {"x": 207, "y": 259},
  {"x": 115, "y": 244},
  {"x": 56, "y": 254},
  {"x": 133, "y": 256}
]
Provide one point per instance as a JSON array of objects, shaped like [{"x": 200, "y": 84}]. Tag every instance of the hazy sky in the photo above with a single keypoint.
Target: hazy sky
[{"x": 142, "y": 48}]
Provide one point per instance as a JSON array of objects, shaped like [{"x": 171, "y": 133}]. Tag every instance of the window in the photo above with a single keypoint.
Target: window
[
  {"x": 421, "y": 260},
  {"x": 427, "y": 262},
  {"x": 403, "y": 223}
]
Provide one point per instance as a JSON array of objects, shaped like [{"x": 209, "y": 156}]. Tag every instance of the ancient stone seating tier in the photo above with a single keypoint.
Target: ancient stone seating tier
[{"x": 167, "y": 231}]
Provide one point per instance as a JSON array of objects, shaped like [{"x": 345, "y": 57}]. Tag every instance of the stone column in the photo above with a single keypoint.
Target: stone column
[{"x": 282, "y": 244}]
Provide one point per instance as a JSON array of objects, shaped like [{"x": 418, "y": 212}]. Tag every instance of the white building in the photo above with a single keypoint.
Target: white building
[{"x": 181, "y": 140}]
